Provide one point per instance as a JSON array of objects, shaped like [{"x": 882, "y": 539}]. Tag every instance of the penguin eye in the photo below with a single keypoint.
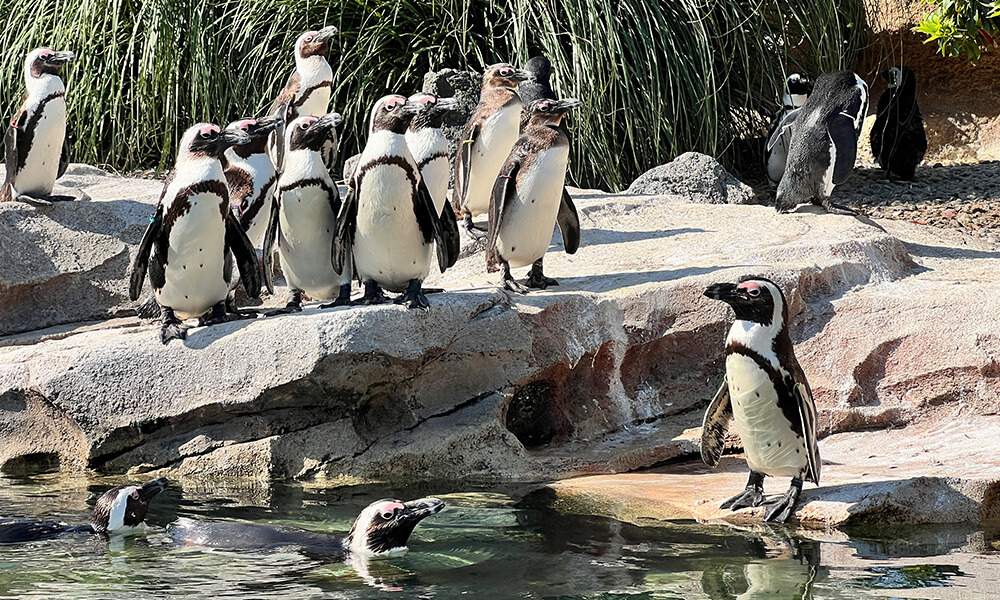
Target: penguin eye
[
  {"x": 753, "y": 292},
  {"x": 388, "y": 514},
  {"x": 309, "y": 39},
  {"x": 205, "y": 135},
  {"x": 506, "y": 72}
]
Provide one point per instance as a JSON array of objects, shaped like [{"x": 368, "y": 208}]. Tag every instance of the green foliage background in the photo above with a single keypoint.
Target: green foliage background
[
  {"x": 658, "y": 77},
  {"x": 962, "y": 27}
]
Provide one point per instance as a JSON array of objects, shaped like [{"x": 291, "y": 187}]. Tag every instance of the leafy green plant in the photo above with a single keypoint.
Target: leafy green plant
[
  {"x": 657, "y": 78},
  {"x": 962, "y": 26}
]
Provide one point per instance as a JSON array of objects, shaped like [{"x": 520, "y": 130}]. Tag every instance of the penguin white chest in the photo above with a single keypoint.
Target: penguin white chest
[
  {"x": 778, "y": 156},
  {"x": 529, "y": 216},
  {"x": 259, "y": 202},
  {"x": 41, "y": 166},
  {"x": 305, "y": 242},
  {"x": 770, "y": 444},
  {"x": 498, "y": 135},
  {"x": 194, "y": 272}
]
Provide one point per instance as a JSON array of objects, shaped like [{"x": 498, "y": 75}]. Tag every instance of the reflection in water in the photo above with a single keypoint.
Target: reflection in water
[{"x": 494, "y": 544}]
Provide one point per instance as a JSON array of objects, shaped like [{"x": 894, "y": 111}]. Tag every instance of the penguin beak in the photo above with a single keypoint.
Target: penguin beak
[
  {"x": 264, "y": 126},
  {"x": 329, "y": 120},
  {"x": 231, "y": 137},
  {"x": 60, "y": 58},
  {"x": 410, "y": 108},
  {"x": 416, "y": 510},
  {"x": 445, "y": 104},
  {"x": 325, "y": 34},
  {"x": 522, "y": 75},
  {"x": 727, "y": 292},
  {"x": 152, "y": 488},
  {"x": 568, "y": 104}
]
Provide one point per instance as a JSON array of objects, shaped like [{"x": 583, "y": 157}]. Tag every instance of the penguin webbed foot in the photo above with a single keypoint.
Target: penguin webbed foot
[
  {"x": 221, "y": 314},
  {"x": 413, "y": 297},
  {"x": 750, "y": 497},
  {"x": 838, "y": 209},
  {"x": 293, "y": 306},
  {"x": 508, "y": 283},
  {"x": 783, "y": 508},
  {"x": 537, "y": 279},
  {"x": 171, "y": 328},
  {"x": 373, "y": 295},
  {"x": 344, "y": 299},
  {"x": 475, "y": 232},
  {"x": 33, "y": 200}
]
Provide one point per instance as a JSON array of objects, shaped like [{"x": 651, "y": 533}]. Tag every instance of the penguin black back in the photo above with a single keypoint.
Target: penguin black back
[{"x": 897, "y": 138}]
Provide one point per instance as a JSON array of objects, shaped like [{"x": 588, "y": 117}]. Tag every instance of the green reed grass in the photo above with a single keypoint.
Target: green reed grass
[{"x": 658, "y": 77}]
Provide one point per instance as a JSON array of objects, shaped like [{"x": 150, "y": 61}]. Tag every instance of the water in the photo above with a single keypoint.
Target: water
[{"x": 488, "y": 543}]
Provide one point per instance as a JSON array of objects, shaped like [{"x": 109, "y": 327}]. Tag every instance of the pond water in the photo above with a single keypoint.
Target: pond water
[{"x": 487, "y": 543}]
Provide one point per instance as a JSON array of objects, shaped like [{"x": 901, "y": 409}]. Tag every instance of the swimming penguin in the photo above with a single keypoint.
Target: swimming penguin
[
  {"x": 37, "y": 152},
  {"x": 529, "y": 198},
  {"x": 486, "y": 141},
  {"x": 380, "y": 531},
  {"x": 186, "y": 247},
  {"x": 429, "y": 147},
  {"x": 766, "y": 393},
  {"x": 251, "y": 176},
  {"x": 303, "y": 219},
  {"x": 308, "y": 89},
  {"x": 116, "y": 511},
  {"x": 537, "y": 87},
  {"x": 824, "y": 141},
  {"x": 897, "y": 137},
  {"x": 388, "y": 217},
  {"x": 798, "y": 87}
]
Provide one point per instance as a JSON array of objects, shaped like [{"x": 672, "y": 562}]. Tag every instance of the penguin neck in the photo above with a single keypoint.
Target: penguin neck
[
  {"x": 197, "y": 168},
  {"x": 794, "y": 100},
  {"x": 44, "y": 85},
  {"x": 313, "y": 69},
  {"x": 257, "y": 145},
  {"x": 304, "y": 164}
]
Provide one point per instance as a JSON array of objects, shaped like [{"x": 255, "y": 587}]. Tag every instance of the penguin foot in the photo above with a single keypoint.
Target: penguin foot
[
  {"x": 149, "y": 309},
  {"x": 782, "y": 509},
  {"x": 373, "y": 295},
  {"x": 537, "y": 279},
  {"x": 172, "y": 328},
  {"x": 55, "y": 198},
  {"x": 476, "y": 234},
  {"x": 240, "y": 314},
  {"x": 512, "y": 286},
  {"x": 217, "y": 316},
  {"x": 32, "y": 200},
  {"x": 413, "y": 297},
  {"x": 344, "y": 299},
  {"x": 838, "y": 209},
  {"x": 432, "y": 290},
  {"x": 294, "y": 305},
  {"x": 753, "y": 495}
]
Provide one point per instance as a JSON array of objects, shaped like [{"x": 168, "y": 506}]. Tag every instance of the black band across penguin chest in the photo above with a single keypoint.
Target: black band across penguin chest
[{"x": 782, "y": 383}]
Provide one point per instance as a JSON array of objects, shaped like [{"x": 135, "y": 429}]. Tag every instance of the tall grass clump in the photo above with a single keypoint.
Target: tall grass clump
[{"x": 657, "y": 78}]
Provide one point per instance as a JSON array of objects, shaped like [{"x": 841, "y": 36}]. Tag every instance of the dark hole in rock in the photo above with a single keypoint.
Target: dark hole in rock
[
  {"x": 31, "y": 464},
  {"x": 530, "y": 414}
]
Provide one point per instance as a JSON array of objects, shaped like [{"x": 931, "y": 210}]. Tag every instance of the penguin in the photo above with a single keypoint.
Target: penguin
[
  {"x": 429, "y": 147},
  {"x": 486, "y": 141},
  {"x": 388, "y": 217},
  {"x": 766, "y": 396},
  {"x": 37, "y": 151},
  {"x": 308, "y": 89},
  {"x": 251, "y": 176},
  {"x": 529, "y": 198},
  {"x": 382, "y": 530},
  {"x": 537, "y": 87},
  {"x": 898, "y": 139},
  {"x": 117, "y": 511},
  {"x": 798, "y": 87},
  {"x": 303, "y": 219},
  {"x": 186, "y": 247},
  {"x": 824, "y": 141}
]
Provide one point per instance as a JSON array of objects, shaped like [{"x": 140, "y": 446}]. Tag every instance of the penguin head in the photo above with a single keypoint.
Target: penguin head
[
  {"x": 900, "y": 78},
  {"x": 540, "y": 69},
  {"x": 550, "y": 112},
  {"x": 207, "y": 140},
  {"x": 310, "y": 133},
  {"x": 314, "y": 43},
  {"x": 255, "y": 128},
  {"x": 433, "y": 111},
  {"x": 504, "y": 75},
  {"x": 754, "y": 299},
  {"x": 384, "y": 526},
  {"x": 46, "y": 61},
  {"x": 125, "y": 506},
  {"x": 393, "y": 113},
  {"x": 799, "y": 84}
]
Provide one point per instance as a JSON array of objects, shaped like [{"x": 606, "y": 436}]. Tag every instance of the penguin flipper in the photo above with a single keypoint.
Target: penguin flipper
[
  {"x": 141, "y": 263},
  {"x": 464, "y": 162},
  {"x": 246, "y": 255},
  {"x": 431, "y": 227},
  {"x": 452, "y": 238},
  {"x": 63, "y": 159},
  {"x": 844, "y": 140},
  {"x": 503, "y": 188},
  {"x": 569, "y": 223},
  {"x": 807, "y": 412},
  {"x": 715, "y": 425},
  {"x": 347, "y": 222},
  {"x": 279, "y": 135},
  {"x": 785, "y": 126},
  {"x": 270, "y": 235},
  {"x": 10, "y": 142}
]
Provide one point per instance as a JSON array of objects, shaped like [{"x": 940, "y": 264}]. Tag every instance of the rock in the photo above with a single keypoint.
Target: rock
[
  {"x": 696, "y": 177},
  {"x": 350, "y": 165},
  {"x": 463, "y": 86}
]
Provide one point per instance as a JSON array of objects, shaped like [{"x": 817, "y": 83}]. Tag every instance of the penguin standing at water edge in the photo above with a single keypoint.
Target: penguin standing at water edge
[
  {"x": 388, "y": 217},
  {"x": 529, "y": 198},
  {"x": 303, "y": 219},
  {"x": 779, "y": 134},
  {"x": 897, "y": 137},
  {"x": 186, "y": 247},
  {"x": 486, "y": 141},
  {"x": 37, "y": 152},
  {"x": 824, "y": 141},
  {"x": 766, "y": 396}
]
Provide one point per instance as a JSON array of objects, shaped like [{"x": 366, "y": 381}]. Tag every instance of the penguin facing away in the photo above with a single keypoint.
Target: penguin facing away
[
  {"x": 308, "y": 89},
  {"x": 537, "y": 87},
  {"x": 897, "y": 138},
  {"x": 186, "y": 247},
  {"x": 779, "y": 134},
  {"x": 303, "y": 219},
  {"x": 117, "y": 511},
  {"x": 486, "y": 141},
  {"x": 251, "y": 176},
  {"x": 529, "y": 198},
  {"x": 765, "y": 396},
  {"x": 37, "y": 152},
  {"x": 388, "y": 217},
  {"x": 824, "y": 141}
]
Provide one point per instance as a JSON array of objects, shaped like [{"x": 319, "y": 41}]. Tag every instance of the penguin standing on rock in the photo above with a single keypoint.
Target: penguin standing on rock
[
  {"x": 898, "y": 139},
  {"x": 824, "y": 141},
  {"x": 388, "y": 217},
  {"x": 303, "y": 219},
  {"x": 486, "y": 141},
  {"x": 190, "y": 242},
  {"x": 766, "y": 395},
  {"x": 37, "y": 152},
  {"x": 779, "y": 134},
  {"x": 251, "y": 176},
  {"x": 529, "y": 198}
]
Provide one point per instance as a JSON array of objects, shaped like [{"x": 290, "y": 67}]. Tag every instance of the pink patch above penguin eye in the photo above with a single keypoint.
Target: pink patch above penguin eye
[
  {"x": 749, "y": 285},
  {"x": 210, "y": 129},
  {"x": 135, "y": 493},
  {"x": 246, "y": 123},
  {"x": 389, "y": 508}
]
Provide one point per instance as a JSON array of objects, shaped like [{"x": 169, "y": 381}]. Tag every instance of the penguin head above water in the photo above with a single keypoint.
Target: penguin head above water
[
  {"x": 393, "y": 113},
  {"x": 754, "y": 299},
  {"x": 900, "y": 79},
  {"x": 384, "y": 526},
  {"x": 45, "y": 61},
  {"x": 550, "y": 112},
  {"x": 207, "y": 140},
  {"x": 504, "y": 75},
  {"x": 125, "y": 506},
  {"x": 314, "y": 43},
  {"x": 310, "y": 133},
  {"x": 433, "y": 111}
]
